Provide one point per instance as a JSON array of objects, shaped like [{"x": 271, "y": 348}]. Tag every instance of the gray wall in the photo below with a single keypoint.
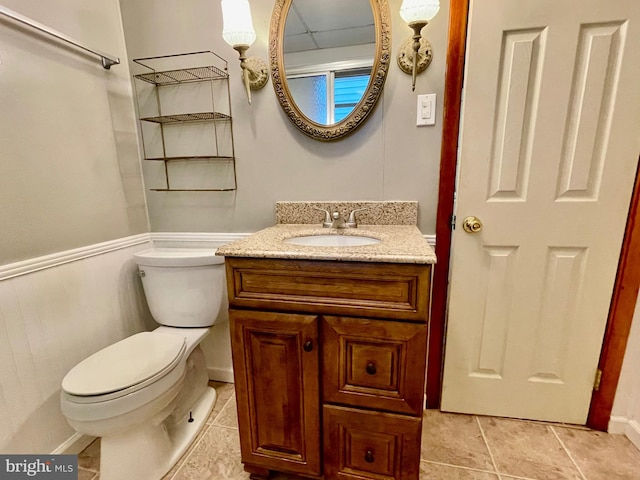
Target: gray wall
[
  {"x": 69, "y": 161},
  {"x": 389, "y": 158}
]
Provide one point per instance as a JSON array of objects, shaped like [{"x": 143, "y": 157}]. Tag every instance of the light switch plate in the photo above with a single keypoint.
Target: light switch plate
[{"x": 426, "y": 110}]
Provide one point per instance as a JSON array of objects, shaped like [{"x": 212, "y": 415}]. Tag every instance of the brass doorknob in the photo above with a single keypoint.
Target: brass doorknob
[{"x": 472, "y": 225}]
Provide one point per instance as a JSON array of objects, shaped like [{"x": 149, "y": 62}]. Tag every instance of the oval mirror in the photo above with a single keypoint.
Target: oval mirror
[{"x": 329, "y": 61}]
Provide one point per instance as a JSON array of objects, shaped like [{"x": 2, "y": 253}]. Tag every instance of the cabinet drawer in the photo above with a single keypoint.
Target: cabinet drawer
[
  {"x": 379, "y": 290},
  {"x": 360, "y": 444},
  {"x": 374, "y": 364}
]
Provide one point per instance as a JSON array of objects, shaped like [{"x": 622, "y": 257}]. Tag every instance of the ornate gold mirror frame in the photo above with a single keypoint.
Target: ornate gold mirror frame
[{"x": 336, "y": 131}]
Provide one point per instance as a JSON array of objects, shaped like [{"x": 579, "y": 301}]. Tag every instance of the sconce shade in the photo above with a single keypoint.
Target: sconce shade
[
  {"x": 419, "y": 10},
  {"x": 237, "y": 23}
]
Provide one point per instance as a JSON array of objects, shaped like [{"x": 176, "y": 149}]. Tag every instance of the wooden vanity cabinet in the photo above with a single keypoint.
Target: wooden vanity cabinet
[{"x": 329, "y": 364}]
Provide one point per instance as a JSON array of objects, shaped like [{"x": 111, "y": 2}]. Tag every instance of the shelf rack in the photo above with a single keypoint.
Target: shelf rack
[{"x": 214, "y": 70}]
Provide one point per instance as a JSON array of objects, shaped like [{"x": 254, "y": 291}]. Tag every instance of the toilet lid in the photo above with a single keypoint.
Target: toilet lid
[{"x": 131, "y": 361}]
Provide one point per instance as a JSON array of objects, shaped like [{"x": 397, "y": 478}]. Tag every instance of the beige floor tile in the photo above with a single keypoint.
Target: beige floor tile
[
  {"x": 86, "y": 474},
  {"x": 224, "y": 391},
  {"x": 215, "y": 457},
  {"x": 526, "y": 449},
  {"x": 171, "y": 473},
  {"x": 175, "y": 468},
  {"x": 89, "y": 458},
  {"x": 455, "y": 440},
  {"x": 601, "y": 456},
  {"x": 435, "y": 471},
  {"x": 228, "y": 417}
]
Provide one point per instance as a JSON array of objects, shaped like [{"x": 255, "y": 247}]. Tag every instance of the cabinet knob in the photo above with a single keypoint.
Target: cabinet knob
[
  {"x": 371, "y": 368},
  {"x": 368, "y": 457},
  {"x": 308, "y": 346}
]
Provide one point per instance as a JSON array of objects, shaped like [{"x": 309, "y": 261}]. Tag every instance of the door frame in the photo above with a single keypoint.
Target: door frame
[{"x": 627, "y": 281}]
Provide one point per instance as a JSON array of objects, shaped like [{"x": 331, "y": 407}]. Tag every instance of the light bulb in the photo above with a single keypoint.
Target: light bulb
[
  {"x": 237, "y": 23},
  {"x": 419, "y": 10}
]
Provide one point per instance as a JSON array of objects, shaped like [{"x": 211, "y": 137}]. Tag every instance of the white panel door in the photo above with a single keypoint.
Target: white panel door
[{"x": 550, "y": 138}]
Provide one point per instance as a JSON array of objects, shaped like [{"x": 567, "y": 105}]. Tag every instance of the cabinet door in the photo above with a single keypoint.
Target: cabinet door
[
  {"x": 374, "y": 364},
  {"x": 363, "y": 444},
  {"x": 275, "y": 361}
]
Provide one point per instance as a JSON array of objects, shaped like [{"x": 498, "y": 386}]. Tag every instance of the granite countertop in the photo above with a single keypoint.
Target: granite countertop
[{"x": 399, "y": 244}]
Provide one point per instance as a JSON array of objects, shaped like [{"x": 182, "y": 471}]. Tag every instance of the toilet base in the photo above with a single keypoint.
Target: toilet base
[{"x": 149, "y": 451}]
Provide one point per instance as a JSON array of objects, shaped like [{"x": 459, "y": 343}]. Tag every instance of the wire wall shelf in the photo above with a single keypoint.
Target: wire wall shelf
[
  {"x": 196, "y": 145},
  {"x": 191, "y": 157},
  {"x": 187, "y": 117},
  {"x": 173, "y": 77},
  {"x": 192, "y": 189}
]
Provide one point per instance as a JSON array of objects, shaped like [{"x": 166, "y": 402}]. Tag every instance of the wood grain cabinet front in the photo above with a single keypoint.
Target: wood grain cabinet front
[
  {"x": 365, "y": 444},
  {"x": 276, "y": 369},
  {"x": 374, "y": 364},
  {"x": 340, "y": 345}
]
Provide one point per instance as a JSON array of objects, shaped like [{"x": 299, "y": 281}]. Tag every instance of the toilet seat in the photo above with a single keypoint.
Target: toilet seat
[{"x": 124, "y": 367}]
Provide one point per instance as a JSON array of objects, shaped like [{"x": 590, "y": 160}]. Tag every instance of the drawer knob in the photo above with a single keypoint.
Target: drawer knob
[
  {"x": 308, "y": 346},
  {"x": 371, "y": 368},
  {"x": 368, "y": 457}
]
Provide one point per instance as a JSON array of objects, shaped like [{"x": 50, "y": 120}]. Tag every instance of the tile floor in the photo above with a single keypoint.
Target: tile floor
[{"x": 454, "y": 447}]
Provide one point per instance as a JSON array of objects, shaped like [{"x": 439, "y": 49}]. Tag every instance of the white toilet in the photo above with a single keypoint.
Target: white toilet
[{"x": 147, "y": 395}]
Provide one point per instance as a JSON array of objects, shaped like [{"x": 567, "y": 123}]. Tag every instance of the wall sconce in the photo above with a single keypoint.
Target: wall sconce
[
  {"x": 239, "y": 33},
  {"x": 415, "y": 53}
]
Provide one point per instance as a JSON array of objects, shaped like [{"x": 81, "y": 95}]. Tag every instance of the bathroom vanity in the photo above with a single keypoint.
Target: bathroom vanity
[{"x": 329, "y": 351}]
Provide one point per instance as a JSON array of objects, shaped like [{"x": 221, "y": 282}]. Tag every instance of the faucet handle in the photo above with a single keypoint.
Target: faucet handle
[
  {"x": 327, "y": 217},
  {"x": 351, "y": 221}
]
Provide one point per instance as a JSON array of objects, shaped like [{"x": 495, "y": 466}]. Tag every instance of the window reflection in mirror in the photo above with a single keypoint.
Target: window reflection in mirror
[
  {"x": 328, "y": 97},
  {"x": 329, "y": 48}
]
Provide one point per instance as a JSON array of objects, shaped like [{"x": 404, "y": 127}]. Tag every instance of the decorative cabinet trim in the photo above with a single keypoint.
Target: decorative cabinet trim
[
  {"x": 359, "y": 349},
  {"x": 276, "y": 363},
  {"x": 364, "y": 444},
  {"x": 379, "y": 290},
  {"x": 372, "y": 364}
]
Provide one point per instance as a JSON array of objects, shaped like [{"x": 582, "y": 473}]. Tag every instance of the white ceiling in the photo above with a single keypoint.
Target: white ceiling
[{"x": 314, "y": 24}]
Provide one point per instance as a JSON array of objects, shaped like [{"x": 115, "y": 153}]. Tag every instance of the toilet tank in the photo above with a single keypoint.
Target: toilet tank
[{"x": 184, "y": 287}]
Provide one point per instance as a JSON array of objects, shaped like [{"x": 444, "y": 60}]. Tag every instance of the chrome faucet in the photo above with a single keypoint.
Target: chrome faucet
[
  {"x": 335, "y": 220},
  {"x": 338, "y": 221},
  {"x": 352, "y": 222}
]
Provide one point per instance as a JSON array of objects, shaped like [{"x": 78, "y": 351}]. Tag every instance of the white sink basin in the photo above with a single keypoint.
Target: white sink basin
[{"x": 332, "y": 240}]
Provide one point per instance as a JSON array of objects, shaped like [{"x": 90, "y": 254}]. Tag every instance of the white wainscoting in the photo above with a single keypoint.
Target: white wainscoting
[{"x": 54, "y": 312}]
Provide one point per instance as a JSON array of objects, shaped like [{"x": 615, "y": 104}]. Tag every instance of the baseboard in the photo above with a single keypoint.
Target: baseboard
[
  {"x": 220, "y": 374},
  {"x": 624, "y": 426},
  {"x": 74, "y": 444},
  {"x": 431, "y": 239},
  {"x": 633, "y": 433}
]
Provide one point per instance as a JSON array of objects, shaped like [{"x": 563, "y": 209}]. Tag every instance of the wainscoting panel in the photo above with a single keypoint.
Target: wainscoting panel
[{"x": 54, "y": 312}]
